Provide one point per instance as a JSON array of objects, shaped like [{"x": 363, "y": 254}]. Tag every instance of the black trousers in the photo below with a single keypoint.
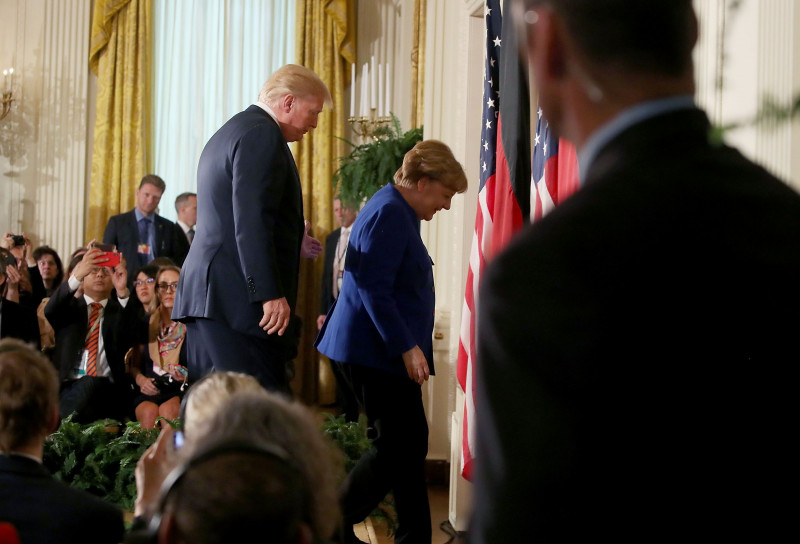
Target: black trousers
[
  {"x": 344, "y": 392},
  {"x": 396, "y": 462},
  {"x": 92, "y": 398},
  {"x": 213, "y": 346}
]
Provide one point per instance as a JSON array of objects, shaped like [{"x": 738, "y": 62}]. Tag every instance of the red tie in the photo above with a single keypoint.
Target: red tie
[{"x": 92, "y": 339}]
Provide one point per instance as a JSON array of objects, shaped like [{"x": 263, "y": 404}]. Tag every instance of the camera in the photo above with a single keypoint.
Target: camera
[{"x": 18, "y": 239}]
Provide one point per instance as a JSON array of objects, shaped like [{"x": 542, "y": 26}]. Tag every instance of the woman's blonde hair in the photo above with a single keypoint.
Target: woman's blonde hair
[
  {"x": 205, "y": 397},
  {"x": 295, "y": 80},
  {"x": 432, "y": 159}
]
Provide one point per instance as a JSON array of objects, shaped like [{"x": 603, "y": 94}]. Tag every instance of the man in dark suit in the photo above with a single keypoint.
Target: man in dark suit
[
  {"x": 16, "y": 321},
  {"x": 186, "y": 208},
  {"x": 41, "y": 508},
  {"x": 238, "y": 288},
  {"x": 141, "y": 234},
  {"x": 93, "y": 332},
  {"x": 332, "y": 273},
  {"x": 633, "y": 346}
]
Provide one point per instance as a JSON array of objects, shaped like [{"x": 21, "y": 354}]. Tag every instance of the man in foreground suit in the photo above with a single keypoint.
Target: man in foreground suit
[
  {"x": 633, "y": 345},
  {"x": 41, "y": 508},
  {"x": 93, "y": 333},
  {"x": 141, "y": 234},
  {"x": 238, "y": 288},
  {"x": 332, "y": 274}
]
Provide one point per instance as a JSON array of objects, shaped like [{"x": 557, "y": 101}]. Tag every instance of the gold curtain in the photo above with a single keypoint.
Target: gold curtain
[
  {"x": 325, "y": 43},
  {"x": 120, "y": 56},
  {"x": 418, "y": 64}
]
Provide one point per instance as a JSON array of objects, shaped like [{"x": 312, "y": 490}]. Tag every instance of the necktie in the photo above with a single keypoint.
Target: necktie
[
  {"x": 145, "y": 256},
  {"x": 338, "y": 264},
  {"x": 190, "y": 235},
  {"x": 93, "y": 339}
]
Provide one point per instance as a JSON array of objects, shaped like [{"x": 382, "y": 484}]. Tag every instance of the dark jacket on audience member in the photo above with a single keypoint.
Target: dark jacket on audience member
[
  {"x": 17, "y": 321},
  {"x": 42, "y": 509}
]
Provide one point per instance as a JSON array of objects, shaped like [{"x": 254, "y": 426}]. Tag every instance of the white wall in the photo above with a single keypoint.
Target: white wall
[
  {"x": 756, "y": 52},
  {"x": 44, "y": 140}
]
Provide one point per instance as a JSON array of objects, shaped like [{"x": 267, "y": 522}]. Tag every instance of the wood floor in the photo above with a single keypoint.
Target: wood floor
[{"x": 438, "y": 495}]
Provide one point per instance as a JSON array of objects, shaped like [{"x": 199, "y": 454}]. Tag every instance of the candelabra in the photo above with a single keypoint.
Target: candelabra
[
  {"x": 368, "y": 126},
  {"x": 6, "y": 102}
]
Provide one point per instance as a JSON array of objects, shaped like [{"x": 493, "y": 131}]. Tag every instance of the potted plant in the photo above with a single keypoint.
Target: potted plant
[{"x": 372, "y": 165}]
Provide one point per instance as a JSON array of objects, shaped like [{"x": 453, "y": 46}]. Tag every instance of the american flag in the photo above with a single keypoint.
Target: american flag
[
  {"x": 503, "y": 149},
  {"x": 554, "y": 172}
]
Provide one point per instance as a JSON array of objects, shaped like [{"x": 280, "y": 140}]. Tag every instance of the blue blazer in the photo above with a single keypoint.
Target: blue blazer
[
  {"x": 247, "y": 246},
  {"x": 386, "y": 303}
]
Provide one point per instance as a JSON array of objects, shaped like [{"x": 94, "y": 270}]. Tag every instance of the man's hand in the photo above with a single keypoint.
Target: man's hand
[
  {"x": 276, "y": 316},
  {"x": 151, "y": 470},
  {"x": 311, "y": 247},
  {"x": 27, "y": 251},
  {"x": 320, "y": 321},
  {"x": 91, "y": 259},
  {"x": 119, "y": 278},
  {"x": 416, "y": 365},
  {"x": 6, "y": 242},
  {"x": 13, "y": 278}
]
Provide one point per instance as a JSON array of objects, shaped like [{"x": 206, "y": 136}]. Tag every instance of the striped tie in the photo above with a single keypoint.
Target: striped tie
[{"x": 92, "y": 339}]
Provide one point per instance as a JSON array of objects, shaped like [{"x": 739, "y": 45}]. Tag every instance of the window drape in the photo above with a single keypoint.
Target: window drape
[{"x": 210, "y": 59}]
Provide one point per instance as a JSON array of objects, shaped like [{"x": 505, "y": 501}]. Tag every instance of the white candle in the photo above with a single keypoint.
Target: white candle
[
  {"x": 388, "y": 90},
  {"x": 381, "y": 111},
  {"x": 364, "y": 87},
  {"x": 10, "y": 79},
  {"x": 373, "y": 101},
  {"x": 5, "y": 80},
  {"x": 352, "y": 90}
]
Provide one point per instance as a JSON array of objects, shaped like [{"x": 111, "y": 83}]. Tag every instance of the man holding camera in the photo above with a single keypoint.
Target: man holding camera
[{"x": 93, "y": 333}]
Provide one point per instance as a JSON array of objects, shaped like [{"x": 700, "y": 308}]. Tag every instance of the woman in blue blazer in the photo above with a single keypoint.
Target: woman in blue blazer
[{"x": 381, "y": 327}]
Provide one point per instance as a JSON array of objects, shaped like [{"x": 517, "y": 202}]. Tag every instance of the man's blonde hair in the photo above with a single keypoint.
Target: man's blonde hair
[
  {"x": 434, "y": 160},
  {"x": 295, "y": 80},
  {"x": 205, "y": 397}
]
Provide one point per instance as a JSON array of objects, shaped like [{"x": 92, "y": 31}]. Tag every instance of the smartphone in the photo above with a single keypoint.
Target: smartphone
[
  {"x": 177, "y": 439},
  {"x": 109, "y": 253},
  {"x": 9, "y": 260}
]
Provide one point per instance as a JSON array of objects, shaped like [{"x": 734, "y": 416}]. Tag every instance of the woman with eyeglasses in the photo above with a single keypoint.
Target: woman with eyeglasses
[
  {"x": 159, "y": 367},
  {"x": 145, "y": 284}
]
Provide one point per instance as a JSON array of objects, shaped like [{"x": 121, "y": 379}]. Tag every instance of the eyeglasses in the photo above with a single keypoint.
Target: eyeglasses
[
  {"x": 171, "y": 287},
  {"x": 148, "y": 281},
  {"x": 102, "y": 270}
]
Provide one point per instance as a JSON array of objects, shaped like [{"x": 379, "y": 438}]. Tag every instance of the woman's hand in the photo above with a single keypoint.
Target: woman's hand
[
  {"x": 146, "y": 385},
  {"x": 416, "y": 365},
  {"x": 178, "y": 372}
]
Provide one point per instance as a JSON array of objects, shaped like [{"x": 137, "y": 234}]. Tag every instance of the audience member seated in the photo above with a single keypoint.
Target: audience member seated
[
  {"x": 206, "y": 395},
  {"x": 145, "y": 286},
  {"x": 159, "y": 366},
  {"x": 262, "y": 468},
  {"x": 29, "y": 289},
  {"x": 16, "y": 321},
  {"x": 50, "y": 268},
  {"x": 52, "y": 272},
  {"x": 39, "y": 507},
  {"x": 93, "y": 333}
]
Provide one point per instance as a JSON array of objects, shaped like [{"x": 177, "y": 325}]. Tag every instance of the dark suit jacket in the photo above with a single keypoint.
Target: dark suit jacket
[
  {"x": 634, "y": 348},
  {"x": 122, "y": 230},
  {"x": 246, "y": 248},
  {"x": 326, "y": 289},
  {"x": 386, "y": 303},
  {"x": 69, "y": 317},
  {"x": 17, "y": 321},
  {"x": 42, "y": 509}
]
